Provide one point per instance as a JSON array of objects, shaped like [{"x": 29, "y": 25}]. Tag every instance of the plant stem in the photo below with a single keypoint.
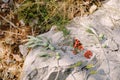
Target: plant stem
[
  {"x": 108, "y": 64},
  {"x": 8, "y": 21}
]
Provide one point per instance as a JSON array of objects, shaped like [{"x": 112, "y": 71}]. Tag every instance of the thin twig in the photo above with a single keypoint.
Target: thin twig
[
  {"x": 12, "y": 33},
  {"x": 96, "y": 35},
  {"x": 58, "y": 70},
  {"x": 73, "y": 76},
  {"x": 8, "y": 21},
  {"x": 85, "y": 75}
]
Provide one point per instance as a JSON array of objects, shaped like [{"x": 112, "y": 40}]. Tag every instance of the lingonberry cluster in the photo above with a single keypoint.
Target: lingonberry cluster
[{"x": 77, "y": 45}]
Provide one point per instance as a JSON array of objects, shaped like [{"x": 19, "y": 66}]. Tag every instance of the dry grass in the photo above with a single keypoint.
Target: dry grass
[
  {"x": 11, "y": 60},
  {"x": 45, "y": 13}
]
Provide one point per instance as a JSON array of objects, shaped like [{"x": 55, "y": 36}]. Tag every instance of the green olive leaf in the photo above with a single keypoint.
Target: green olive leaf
[
  {"x": 101, "y": 36},
  {"x": 89, "y": 31},
  {"x": 58, "y": 56},
  {"x": 77, "y": 64},
  {"x": 93, "y": 72},
  {"x": 104, "y": 46},
  {"x": 89, "y": 66}
]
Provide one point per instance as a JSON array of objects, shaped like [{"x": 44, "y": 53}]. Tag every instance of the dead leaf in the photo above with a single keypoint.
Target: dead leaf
[
  {"x": 17, "y": 57},
  {"x": 92, "y": 8}
]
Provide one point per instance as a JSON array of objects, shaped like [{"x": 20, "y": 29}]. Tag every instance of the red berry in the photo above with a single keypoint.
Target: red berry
[
  {"x": 88, "y": 54},
  {"x": 80, "y": 47}
]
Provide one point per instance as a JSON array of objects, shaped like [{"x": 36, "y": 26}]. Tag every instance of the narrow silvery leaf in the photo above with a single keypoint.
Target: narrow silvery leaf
[
  {"x": 29, "y": 43},
  {"x": 5, "y": 1},
  {"x": 31, "y": 37},
  {"x": 93, "y": 30},
  {"x": 32, "y": 46},
  {"x": 51, "y": 47}
]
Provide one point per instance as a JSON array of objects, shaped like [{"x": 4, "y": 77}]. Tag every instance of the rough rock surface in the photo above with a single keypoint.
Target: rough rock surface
[{"x": 106, "y": 60}]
